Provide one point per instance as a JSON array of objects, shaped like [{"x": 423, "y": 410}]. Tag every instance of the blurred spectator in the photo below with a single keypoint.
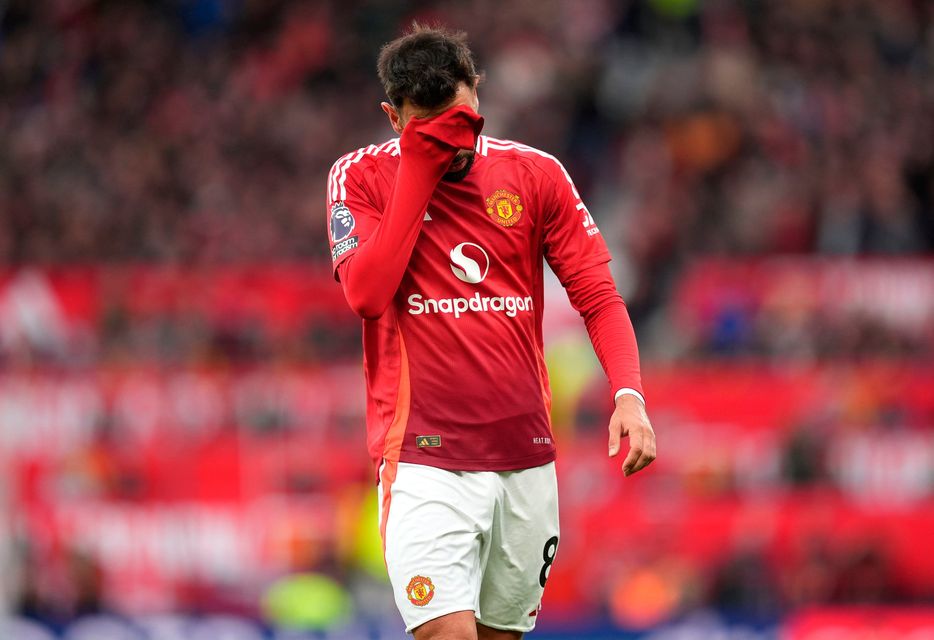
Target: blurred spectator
[
  {"x": 86, "y": 576},
  {"x": 809, "y": 579},
  {"x": 746, "y": 583},
  {"x": 805, "y": 455},
  {"x": 864, "y": 577}
]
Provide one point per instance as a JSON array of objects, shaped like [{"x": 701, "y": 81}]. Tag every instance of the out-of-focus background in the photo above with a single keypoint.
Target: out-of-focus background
[{"x": 181, "y": 396}]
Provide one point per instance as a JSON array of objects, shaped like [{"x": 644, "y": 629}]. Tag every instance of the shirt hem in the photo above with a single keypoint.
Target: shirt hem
[{"x": 486, "y": 464}]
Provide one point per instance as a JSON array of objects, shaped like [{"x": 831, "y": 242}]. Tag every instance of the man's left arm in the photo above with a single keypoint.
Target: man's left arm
[
  {"x": 577, "y": 253},
  {"x": 593, "y": 294}
]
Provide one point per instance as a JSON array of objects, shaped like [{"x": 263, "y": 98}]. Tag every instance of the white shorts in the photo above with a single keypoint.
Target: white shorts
[{"x": 480, "y": 541}]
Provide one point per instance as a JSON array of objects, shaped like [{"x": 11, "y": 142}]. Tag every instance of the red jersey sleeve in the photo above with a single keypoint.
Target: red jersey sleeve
[
  {"x": 572, "y": 240},
  {"x": 577, "y": 253},
  {"x": 593, "y": 294},
  {"x": 371, "y": 263},
  {"x": 352, "y": 214}
]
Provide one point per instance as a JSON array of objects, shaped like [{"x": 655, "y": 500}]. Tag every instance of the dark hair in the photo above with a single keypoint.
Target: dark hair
[{"x": 425, "y": 65}]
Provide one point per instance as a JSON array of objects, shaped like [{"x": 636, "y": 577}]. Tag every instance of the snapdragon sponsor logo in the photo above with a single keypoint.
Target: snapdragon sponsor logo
[
  {"x": 471, "y": 270},
  {"x": 510, "y": 305},
  {"x": 470, "y": 263}
]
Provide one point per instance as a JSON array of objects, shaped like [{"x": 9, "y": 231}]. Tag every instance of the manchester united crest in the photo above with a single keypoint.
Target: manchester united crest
[
  {"x": 420, "y": 591},
  {"x": 504, "y": 208}
]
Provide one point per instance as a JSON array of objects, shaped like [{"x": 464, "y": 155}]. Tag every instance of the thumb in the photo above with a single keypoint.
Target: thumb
[{"x": 616, "y": 428}]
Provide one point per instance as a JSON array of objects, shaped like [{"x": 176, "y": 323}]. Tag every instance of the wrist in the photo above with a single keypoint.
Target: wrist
[{"x": 627, "y": 394}]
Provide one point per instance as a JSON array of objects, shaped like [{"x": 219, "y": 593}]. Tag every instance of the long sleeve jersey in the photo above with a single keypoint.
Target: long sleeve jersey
[{"x": 448, "y": 277}]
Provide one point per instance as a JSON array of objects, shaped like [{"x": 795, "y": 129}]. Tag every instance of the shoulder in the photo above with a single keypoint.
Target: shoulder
[
  {"x": 544, "y": 163},
  {"x": 536, "y": 158},
  {"x": 541, "y": 162},
  {"x": 352, "y": 166}
]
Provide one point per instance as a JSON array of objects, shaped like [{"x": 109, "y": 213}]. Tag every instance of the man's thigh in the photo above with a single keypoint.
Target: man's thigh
[
  {"x": 433, "y": 522},
  {"x": 524, "y": 540}
]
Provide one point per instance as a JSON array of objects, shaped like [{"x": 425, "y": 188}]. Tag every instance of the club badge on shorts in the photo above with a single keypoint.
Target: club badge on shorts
[
  {"x": 420, "y": 591},
  {"x": 504, "y": 208}
]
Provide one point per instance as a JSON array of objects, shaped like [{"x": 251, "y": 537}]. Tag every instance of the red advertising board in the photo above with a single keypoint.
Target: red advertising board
[{"x": 863, "y": 623}]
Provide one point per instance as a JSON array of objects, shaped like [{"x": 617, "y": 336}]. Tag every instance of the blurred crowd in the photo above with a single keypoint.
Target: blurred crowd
[
  {"x": 195, "y": 136},
  {"x": 202, "y": 130}
]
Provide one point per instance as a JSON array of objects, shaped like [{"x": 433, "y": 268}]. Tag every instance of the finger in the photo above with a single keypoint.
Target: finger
[
  {"x": 635, "y": 450},
  {"x": 616, "y": 430},
  {"x": 648, "y": 452}
]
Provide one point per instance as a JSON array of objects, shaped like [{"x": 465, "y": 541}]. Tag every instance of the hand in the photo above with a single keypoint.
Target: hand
[
  {"x": 630, "y": 419},
  {"x": 454, "y": 128},
  {"x": 464, "y": 96}
]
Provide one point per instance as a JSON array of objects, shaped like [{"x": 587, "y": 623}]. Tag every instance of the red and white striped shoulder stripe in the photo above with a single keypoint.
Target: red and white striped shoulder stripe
[
  {"x": 509, "y": 145},
  {"x": 337, "y": 178}
]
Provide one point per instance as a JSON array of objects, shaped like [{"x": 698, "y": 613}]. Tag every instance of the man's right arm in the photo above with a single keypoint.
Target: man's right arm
[{"x": 371, "y": 275}]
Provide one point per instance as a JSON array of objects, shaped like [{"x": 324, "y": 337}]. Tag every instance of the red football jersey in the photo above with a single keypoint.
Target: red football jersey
[{"x": 455, "y": 369}]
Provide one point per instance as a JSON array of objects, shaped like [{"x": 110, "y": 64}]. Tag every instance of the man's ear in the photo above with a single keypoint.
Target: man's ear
[{"x": 394, "y": 119}]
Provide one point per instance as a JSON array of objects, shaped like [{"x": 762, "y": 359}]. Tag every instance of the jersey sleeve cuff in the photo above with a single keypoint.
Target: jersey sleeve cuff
[{"x": 626, "y": 391}]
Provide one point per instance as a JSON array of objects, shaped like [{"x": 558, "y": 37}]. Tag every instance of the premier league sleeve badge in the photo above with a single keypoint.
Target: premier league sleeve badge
[{"x": 342, "y": 221}]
